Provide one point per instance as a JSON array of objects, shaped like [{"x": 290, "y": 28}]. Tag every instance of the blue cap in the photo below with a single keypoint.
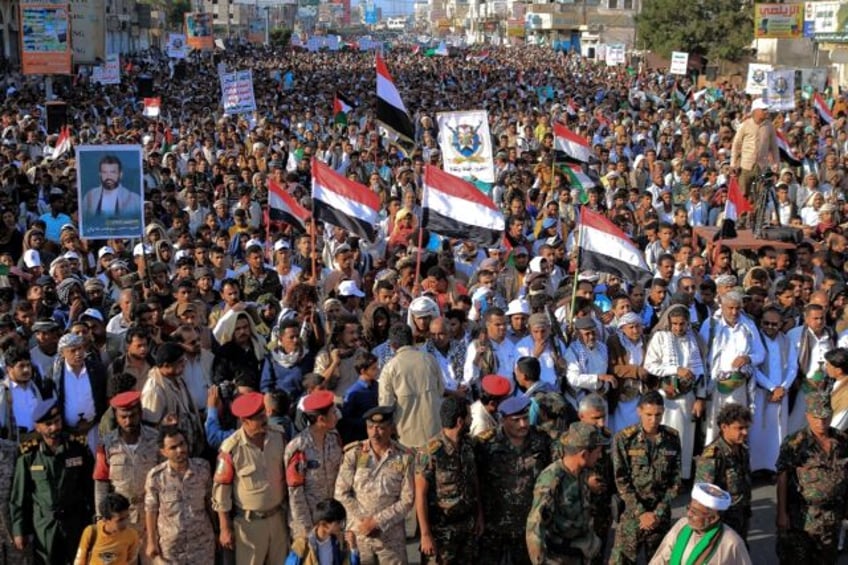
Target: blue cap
[
  {"x": 45, "y": 410},
  {"x": 548, "y": 223},
  {"x": 514, "y": 405}
]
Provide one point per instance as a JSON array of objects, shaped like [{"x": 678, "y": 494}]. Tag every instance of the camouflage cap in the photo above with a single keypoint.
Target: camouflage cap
[
  {"x": 583, "y": 436},
  {"x": 818, "y": 405}
]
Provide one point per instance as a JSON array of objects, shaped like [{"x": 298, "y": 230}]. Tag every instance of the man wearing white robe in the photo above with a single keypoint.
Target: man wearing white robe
[
  {"x": 836, "y": 365},
  {"x": 734, "y": 350},
  {"x": 538, "y": 345},
  {"x": 809, "y": 344},
  {"x": 498, "y": 348},
  {"x": 626, "y": 348},
  {"x": 774, "y": 377},
  {"x": 587, "y": 361},
  {"x": 674, "y": 356}
]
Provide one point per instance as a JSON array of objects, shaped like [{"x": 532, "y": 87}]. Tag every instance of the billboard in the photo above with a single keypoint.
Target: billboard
[
  {"x": 45, "y": 41},
  {"x": 778, "y": 21},
  {"x": 256, "y": 31},
  {"x": 199, "y": 31},
  {"x": 88, "y": 39}
]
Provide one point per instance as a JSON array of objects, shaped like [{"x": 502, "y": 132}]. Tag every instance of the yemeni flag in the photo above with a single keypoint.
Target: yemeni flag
[
  {"x": 607, "y": 249},
  {"x": 823, "y": 109},
  {"x": 344, "y": 203},
  {"x": 736, "y": 205},
  {"x": 341, "y": 108},
  {"x": 570, "y": 145},
  {"x": 63, "y": 143},
  {"x": 152, "y": 107},
  {"x": 282, "y": 207},
  {"x": 456, "y": 208},
  {"x": 786, "y": 150},
  {"x": 390, "y": 109},
  {"x": 477, "y": 58}
]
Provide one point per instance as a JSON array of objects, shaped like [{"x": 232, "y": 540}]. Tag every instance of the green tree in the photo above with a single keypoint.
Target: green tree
[
  {"x": 280, "y": 37},
  {"x": 716, "y": 29},
  {"x": 177, "y": 9}
]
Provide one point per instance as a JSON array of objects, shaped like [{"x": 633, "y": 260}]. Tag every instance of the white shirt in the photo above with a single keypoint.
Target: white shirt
[
  {"x": 821, "y": 345},
  {"x": 504, "y": 353},
  {"x": 79, "y": 398},
  {"x": 449, "y": 378},
  {"x": 526, "y": 347},
  {"x": 730, "y": 342},
  {"x": 772, "y": 373},
  {"x": 196, "y": 381},
  {"x": 586, "y": 365},
  {"x": 24, "y": 401},
  {"x": 41, "y": 360},
  {"x": 117, "y": 325}
]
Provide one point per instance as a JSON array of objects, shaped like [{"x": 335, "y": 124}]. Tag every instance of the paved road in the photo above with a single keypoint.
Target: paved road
[{"x": 761, "y": 537}]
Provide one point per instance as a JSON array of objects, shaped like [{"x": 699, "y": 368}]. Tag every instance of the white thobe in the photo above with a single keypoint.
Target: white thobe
[
  {"x": 728, "y": 343},
  {"x": 665, "y": 355},
  {"x": 526, "y": 348},
  {"x": 770, "y": 422},
  {"x": 821, "y": 345},
  {"x": 481, "y": 420},
  {"x": 585, "y": 367},
  {"x": 79, "y": 402},
  {"x": 840, "y": 419}
]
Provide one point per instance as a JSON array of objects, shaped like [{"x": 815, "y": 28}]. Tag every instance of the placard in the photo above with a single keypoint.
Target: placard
[
  {"x": 237, "y": 92},
  {"x": 110, "y": 191},
  {"x": 177, "y": 45},
  {"x": 679, "y": 63},
  {"x": 108, "y": 73}
]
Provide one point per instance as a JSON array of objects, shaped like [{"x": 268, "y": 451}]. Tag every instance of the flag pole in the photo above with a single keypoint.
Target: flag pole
[
  {"x": 579, "y": 241},
  {"x": 420, "y": 239},
  {"x": 314, "y": 250}
]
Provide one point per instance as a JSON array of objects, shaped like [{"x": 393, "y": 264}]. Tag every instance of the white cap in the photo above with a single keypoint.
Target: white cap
[
  {"x": 711, "y": 496},
  {"x": 105, "y": 250},
  {"x": 181, "y": 253},
  {"x": 281, "y": 244},
  {"x": 93, "y": 313},
  {"x": 142, "y": 249},
  {"x": 145, "y": 139},
  {"x": 536, "y": 264},
  {"x": 71, "y": 255},
  {"x": 759, "y": 104},
  {"x": 32, "y": 258},
  {"x": 251, "y": 242},
  {"x": 518, "y": 306},
  {"x": 349, "y": 288}
]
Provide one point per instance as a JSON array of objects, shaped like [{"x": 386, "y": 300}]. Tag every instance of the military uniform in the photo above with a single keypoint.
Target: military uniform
[
  {"x": 52, "y": 497},
  {"x": 729, "y": 468},
  {"x": 600, "y": 503},
  {"x": 817, "y": 487},
  {"x": 182, "y": 522},
  {"x": 123, "y": 469},
  {"x": 381, "y": 488},
  {"x": 249, "y": 483},
  {"x": 253, "y": 287},
  {"x": 311, "y": 473},
  {"x": 9, "y": 555},
  {"x": 507, "y": 475},
  {"x": 450, "y": 472},
  {"x": 647, "y": 475}
]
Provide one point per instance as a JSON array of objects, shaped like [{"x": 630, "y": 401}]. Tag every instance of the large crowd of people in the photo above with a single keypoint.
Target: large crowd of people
[{"x": 230, "y": 388}]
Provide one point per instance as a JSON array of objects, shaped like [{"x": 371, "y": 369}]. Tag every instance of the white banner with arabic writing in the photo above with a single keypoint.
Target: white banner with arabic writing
[{"x": 237, "y": 92}]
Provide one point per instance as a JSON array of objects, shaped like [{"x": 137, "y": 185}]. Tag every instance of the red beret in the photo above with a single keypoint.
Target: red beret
[
  {"x": 247, "y": 405},
  {"x": 318, "y": 401},
  {"x": 496, "y": 385},
  {"x": 125, "y": 399}
]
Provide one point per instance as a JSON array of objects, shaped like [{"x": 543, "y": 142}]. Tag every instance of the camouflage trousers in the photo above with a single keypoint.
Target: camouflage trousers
[
  {"x": 602, "y": 526},
  {"x": 629, "y": 539},
  {"x": 797, "y": 546},
  {"x": 497, "y": 548},
  {"x": 455, "y": 545}
]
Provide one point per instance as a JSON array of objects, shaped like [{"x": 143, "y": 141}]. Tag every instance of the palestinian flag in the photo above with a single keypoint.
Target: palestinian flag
[
  {"x": 390, "y": 109},
  {"x": 341, "y": 108},
  {"x": 822, "y": 108},
  {"x": 343, "y": 202},
  {"x": 455, "y": 208},
  {"x": 680, "y": 99},
  {"x": 282, "y": 207},
  {"x": 607, "y": 249},
  {"x": 786, "y": 151},
  {"x": 570, "y": 145},
  {"x": 440, "y": 51},
  {"x": 580, "y": 180}
]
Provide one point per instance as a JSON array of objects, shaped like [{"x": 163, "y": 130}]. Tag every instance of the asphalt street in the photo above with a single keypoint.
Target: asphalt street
[{"x": 761, "y": 538}]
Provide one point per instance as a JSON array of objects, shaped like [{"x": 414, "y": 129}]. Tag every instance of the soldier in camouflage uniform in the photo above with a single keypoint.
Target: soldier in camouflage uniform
[
  {"x": 9, "y": 554},
  {"x": 375, "y": 485},
  {"x": 600, "y": 479},
  {"x": 312, "y": 461},
  {"x": 509, "y": 460},
  {"x": 124, "y": 458},
  {"x": 811, "y": 487},
  {"x": 725, "y": 463},
  {"x": 446, "y": 491},
  {"x": 646, "y": 464},
  {"x": 51, "y": 493},
  {"x": 175, "y": 499},
  {"x": 559, "y": 526},
  {"x": 258, "y": 279}
]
